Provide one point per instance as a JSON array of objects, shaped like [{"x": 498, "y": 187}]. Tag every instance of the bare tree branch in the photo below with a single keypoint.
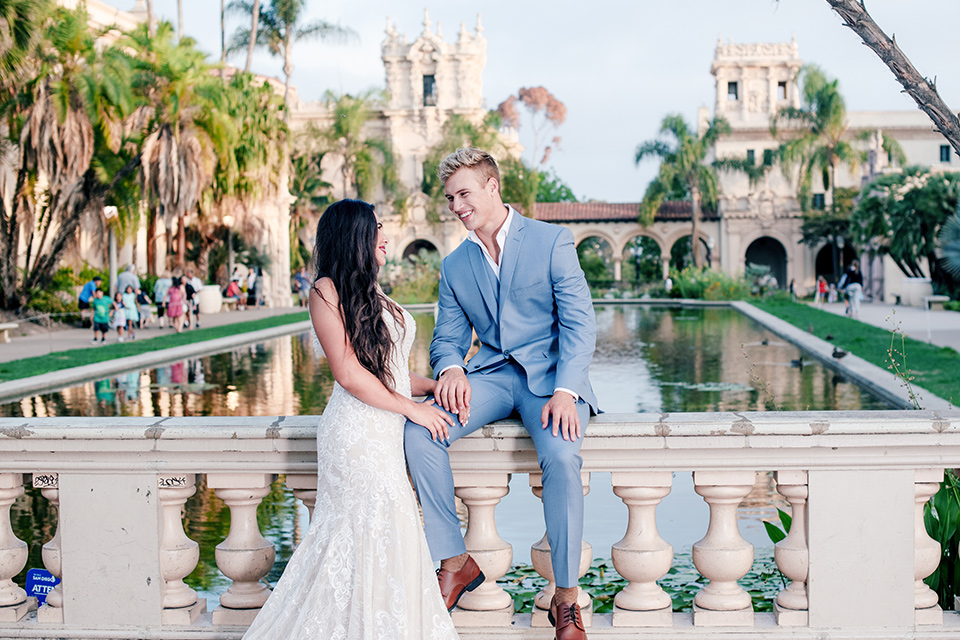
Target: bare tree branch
[{"x": 924, "y": 92}]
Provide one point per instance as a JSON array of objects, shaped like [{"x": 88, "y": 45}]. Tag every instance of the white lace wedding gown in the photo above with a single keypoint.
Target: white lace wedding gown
[{"x": 363, "y": 570}]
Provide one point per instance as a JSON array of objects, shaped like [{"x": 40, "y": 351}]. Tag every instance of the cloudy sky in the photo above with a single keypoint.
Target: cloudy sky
[{"x": 618, "y": 66}]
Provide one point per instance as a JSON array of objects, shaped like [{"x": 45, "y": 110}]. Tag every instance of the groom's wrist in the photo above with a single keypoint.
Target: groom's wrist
[
  {"x": 449, "y": 368},
  {"x": 576, "y": 396}
]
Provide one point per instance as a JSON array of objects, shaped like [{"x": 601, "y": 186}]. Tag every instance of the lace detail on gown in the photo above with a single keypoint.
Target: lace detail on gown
[{"x": 363, "y": 570}]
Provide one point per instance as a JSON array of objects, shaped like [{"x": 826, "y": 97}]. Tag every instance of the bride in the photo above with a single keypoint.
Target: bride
[{"x": 363, "y": 570}]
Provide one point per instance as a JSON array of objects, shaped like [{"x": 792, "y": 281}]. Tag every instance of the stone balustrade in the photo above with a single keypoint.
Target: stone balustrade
[{"x": 855, "y": 557}]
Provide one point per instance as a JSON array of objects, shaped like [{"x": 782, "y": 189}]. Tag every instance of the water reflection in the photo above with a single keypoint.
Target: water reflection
[{"x": 648, "y": 359}]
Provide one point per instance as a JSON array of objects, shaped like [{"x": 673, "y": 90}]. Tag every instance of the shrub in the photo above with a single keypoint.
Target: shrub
[
  {"x": 706, "y": 284},
  {"x": 414, "y": 279}
]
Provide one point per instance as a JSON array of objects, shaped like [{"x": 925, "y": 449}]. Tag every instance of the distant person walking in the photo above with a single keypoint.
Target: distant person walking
[
  {"x": 85, "y": 299},
  {"x": 194, "y": 286},
  {"x": 303, "y": 286},
  {"x": 160, "y": 288},
  {"x": 119, "y": 315},
  {"x": 131, "y": 310},
  {"x": 101, "y": 315},
  {"x": 821, "y": 293},
  {"x": 175, "y": 301},
  {"x": 128, "y": 279},
  {"x": 853, "y": 288}
]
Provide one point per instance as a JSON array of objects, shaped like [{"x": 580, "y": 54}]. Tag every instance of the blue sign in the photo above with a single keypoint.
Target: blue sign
[{"x": 40, "y": 582}]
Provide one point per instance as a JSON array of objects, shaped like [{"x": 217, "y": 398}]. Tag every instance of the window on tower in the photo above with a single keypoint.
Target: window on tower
[
  {"x": 944, "y": 153},
  {"x": 429, "y": 91},
  {"x": 819, "y": 201},
  {"x": 751, "y": 157},
  {"x": 782, "y": 90},
  {"x": 732, "y": 93}
]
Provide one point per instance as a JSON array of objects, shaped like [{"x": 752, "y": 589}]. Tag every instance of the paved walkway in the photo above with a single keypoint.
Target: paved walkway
[
  {"x": 45, "y": 342},
  {"x": 934, "y": 327}
]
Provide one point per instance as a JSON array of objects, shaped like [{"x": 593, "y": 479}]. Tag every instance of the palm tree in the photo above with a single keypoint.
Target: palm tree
[
  {"x": 366, "y": 162},
  {"x": 312, "y": 195},
  {"x": 280, "y": 26},
  {"x": 949, "y": 243},
  {"x": 187, "y": 133},
  {"x": 682, "y": 171},
  {"x": 816, "y": 132},
  {"x": 22, "y": 19},
  {"x": 253, "y": 167},
  {"x": 68, "y": 111}
]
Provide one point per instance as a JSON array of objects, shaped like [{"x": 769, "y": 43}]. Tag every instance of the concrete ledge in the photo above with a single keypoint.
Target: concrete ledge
[
  {"x": 878, "y": 381},
  {"x": 16, "y": 389},
  {"x": 764, "y": 628}
]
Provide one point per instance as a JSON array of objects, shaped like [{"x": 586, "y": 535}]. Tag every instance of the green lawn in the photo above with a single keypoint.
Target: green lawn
[
  {"x": 932, "y": 367},
  {"x": 26, "y": 367}
]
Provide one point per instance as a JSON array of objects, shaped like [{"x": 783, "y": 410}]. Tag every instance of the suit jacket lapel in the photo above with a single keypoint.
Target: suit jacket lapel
[
  {"x": 484, "y": 277},
  {"x": 511, "y": 255}
]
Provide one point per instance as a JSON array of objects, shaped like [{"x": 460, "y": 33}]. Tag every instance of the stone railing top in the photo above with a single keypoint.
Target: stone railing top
[{"x": 615, "y": 442}]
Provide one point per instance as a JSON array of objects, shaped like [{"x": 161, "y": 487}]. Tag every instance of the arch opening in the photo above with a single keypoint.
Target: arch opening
[{"x": 768, "y": 252}]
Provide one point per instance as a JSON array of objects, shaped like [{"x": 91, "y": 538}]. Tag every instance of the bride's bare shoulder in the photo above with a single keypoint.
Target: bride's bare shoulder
[{"x": 326, "y": 291}]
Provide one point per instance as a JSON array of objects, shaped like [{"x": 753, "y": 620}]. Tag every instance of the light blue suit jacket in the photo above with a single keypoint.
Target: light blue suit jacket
[{"x": 545, "y": 320}]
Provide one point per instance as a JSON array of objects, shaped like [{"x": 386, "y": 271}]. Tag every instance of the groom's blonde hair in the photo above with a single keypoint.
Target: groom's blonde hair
[{"x": 470, "y": 158}]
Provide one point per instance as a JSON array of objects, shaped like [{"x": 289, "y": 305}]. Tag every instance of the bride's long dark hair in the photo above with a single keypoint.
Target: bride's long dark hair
[{"x": 345, "y": 252}]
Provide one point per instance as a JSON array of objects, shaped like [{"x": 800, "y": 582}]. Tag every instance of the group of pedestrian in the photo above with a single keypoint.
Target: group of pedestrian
[
  {"x": 121, "y": 314},
  {"x": 175, "y": 297},
  {"x": 245, "y": 290},
  {"x": 177, "y": 300}
]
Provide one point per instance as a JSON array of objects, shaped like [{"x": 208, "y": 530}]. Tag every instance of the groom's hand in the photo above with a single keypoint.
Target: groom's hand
[
  {"x": 453, "y": 393},
  {"x": 562, "y": 408}
]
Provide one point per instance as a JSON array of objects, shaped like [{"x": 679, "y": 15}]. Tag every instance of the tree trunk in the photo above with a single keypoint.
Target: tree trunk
[
  {"x": 10, "y": 244},
  {"x": 179, "y": 20},
  {"x": 695, "y": 227},
  {"x": 254, "y": 23},
  {"x": 151, "y": 28},
  {"x": 287, "y": 71},
  {"x": 923, "y": 91},
  {"x": 223, "y": 37},
  {"x": 151, "y": 240},
  {"x": 181, "y": 242}
]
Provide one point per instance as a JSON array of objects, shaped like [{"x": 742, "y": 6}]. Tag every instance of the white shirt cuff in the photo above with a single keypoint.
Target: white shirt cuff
[
  {"x": 576, "y": 396},
  {"x": 447, "y": 368}
]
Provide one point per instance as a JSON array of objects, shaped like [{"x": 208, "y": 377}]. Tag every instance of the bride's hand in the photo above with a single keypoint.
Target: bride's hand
[{"x": 432, "y": 418}]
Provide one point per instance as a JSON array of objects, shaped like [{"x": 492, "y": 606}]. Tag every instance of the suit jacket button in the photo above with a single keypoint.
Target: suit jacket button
[{"x": 507, "y": 353}]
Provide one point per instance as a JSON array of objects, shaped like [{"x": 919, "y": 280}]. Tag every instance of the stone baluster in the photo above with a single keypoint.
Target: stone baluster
[
  {"x": 52, "y": 610},
  {"x": 543, "y": 564},
  {"x": 792, "y": 553},
  {"x": 642, "y": 556},
  {"x": 14, "y": 603},
  {"x": 304, "y": 487},
  {"x": 488, "y": 605},
  {"x": 928, "y": 552},
  {"x": 723, "y": 556},
  {"x": 245, "y": 556},
  {"x": 178, "y": 553}
]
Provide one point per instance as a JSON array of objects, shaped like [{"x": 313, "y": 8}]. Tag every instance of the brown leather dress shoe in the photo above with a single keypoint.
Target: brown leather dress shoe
[
  {"x": 567, "y": 620},
  {"x": 453, "y": 584}
]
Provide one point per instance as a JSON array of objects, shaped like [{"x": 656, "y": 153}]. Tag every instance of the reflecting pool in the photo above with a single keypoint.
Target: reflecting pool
[{"x": 648, "y": 359}]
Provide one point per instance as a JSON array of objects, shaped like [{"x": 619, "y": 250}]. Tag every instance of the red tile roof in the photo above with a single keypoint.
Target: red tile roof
[{"x": 611, "y": 211}]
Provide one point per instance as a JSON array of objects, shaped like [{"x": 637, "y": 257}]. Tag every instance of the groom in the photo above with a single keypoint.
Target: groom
[{"x": 518, "y": 284}]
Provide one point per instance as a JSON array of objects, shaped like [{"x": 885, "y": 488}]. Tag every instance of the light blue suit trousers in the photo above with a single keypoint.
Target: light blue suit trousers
[{"x": 537, "y": 333}]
